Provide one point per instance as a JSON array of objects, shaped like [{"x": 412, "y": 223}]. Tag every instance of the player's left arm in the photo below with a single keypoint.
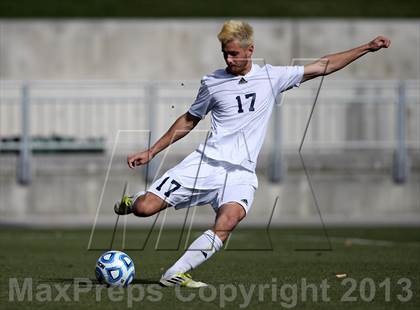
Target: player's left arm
[{"x": 334, "y": 62}]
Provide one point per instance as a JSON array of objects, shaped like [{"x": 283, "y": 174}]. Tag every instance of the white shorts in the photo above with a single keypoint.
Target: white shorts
[{"x": 184, "y": 185}]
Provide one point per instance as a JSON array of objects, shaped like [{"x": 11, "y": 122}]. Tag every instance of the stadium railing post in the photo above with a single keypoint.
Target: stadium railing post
[
  {"x": 277, "y": 165},
  {"x": 152, "y": 104},
  {"x": 400, "y": 165},
  {"x": 24, "y": 174}
]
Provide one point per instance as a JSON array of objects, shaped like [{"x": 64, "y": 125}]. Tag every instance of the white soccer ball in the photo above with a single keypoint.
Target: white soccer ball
[{"x": 115, "y": 268}]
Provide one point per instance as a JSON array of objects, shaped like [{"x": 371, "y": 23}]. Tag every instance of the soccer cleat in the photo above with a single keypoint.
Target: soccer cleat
[
  {"x": 125, "y": 206},
  {"x": 181, "y": 279}
]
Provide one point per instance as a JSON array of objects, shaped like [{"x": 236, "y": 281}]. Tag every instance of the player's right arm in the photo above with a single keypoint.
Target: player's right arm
[{"x": 179, "y": 129}]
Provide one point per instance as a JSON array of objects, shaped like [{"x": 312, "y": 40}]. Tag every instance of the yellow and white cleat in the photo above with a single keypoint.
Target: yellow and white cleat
[
  {"x": 181, "y": 279},
  {"x": 125, "y": 206}
]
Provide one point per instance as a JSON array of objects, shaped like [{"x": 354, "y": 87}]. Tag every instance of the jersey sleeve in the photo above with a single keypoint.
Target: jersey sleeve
[
  {"x": 286, "y": 77},
  {"x": 202, "y": 104}
]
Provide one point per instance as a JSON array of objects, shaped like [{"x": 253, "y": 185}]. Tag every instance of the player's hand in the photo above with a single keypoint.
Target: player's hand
[
  {"x": 378, "y": 43},
  {"x": 140, "y": 158}
]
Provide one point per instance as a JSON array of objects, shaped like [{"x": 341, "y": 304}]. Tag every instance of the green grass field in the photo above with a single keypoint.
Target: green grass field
[{"x": 382, "y": 267}]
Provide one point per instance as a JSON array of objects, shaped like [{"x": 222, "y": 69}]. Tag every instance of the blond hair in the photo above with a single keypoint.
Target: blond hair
[{"x": 236, "y": 29}]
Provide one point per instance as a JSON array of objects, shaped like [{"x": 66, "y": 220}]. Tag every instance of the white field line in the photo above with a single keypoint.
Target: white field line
[
  {"x": 353, "y": 241},
  {"x": 338, "y": 240}
]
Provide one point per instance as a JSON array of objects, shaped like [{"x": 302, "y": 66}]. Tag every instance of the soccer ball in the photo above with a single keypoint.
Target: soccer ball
[{"x": 114, "y": 268}]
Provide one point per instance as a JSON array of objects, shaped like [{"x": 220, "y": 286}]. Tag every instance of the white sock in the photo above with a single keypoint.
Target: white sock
[{"x": 198, "y": 252}]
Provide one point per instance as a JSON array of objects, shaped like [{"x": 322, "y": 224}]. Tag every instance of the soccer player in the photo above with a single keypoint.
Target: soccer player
[{"x": 221, "y": 171}]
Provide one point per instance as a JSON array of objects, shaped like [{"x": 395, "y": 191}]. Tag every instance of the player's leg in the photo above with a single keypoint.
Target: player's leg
[
  {"x": 228, "y": 217},
  {"x": 231, "y": 205},
  {"x": 161, "y": 194},
  {"x": 202, "y": 248},
  {"x": 148, "y": 204},
  {"x": 164, "y": 192},
  {"x": 142, "y": 204}
]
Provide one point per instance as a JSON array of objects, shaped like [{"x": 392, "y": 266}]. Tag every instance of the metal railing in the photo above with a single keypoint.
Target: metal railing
[{"x": 64, "y": 116}]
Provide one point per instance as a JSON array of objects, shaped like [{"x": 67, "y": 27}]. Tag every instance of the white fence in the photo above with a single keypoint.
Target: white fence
[{"x": 87, "y": 115}]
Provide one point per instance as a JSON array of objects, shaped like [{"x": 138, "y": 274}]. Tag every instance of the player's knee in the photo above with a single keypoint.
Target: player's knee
[
  {"x": 228, "y": 222},
  {"x": 141, "y": 208},
  {"x": 146, "y": 206}
]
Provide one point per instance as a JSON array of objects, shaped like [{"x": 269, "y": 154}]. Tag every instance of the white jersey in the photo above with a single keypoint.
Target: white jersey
[{"x": 240, "y": 108}]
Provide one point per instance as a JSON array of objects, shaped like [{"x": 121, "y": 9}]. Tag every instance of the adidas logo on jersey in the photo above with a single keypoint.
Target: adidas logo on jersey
[
  {"x": 244, "y": 201},
  {"x": 243, "y": 81}
]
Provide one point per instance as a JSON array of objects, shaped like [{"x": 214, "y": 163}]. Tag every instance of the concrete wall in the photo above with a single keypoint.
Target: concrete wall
[
  {"x": 352, "y": 186},
  {"x": 187, "y": 49},
  {"x": 67, "y": 191}
]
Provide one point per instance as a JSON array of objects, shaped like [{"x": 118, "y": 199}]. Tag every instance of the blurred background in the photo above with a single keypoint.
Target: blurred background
[{"x": 84, "y": 83}]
